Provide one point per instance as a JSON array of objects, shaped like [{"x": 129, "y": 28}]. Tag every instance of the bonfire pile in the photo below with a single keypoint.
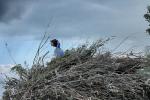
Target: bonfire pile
[{"x": 82, "y": 74}]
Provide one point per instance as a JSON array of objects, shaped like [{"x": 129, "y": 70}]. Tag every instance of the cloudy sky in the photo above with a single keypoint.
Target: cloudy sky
[{"x": 23, "y": 22}]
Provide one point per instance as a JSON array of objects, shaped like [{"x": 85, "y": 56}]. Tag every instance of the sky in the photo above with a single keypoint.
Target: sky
[{"x": 23, "y": 23}]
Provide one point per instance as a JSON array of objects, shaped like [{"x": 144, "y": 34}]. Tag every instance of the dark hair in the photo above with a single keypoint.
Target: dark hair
[{"x": 55, "y": 42}]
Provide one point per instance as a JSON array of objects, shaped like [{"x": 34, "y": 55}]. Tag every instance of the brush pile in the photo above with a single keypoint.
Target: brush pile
[{"x": 82, "y": 74}]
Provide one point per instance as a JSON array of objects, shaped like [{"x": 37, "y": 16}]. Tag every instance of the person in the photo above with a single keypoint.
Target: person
[{"x": 58, "y": 52}]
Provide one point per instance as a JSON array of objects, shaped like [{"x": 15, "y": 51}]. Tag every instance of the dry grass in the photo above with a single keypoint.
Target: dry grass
[{"x": 82, "y": 74}]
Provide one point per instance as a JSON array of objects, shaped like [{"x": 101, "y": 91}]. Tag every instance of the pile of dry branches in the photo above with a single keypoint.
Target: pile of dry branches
[{"x": 82, "y": 74}]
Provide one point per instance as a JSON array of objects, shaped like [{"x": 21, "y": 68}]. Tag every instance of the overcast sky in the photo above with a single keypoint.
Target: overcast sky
[{"x": 22, "y": 23}]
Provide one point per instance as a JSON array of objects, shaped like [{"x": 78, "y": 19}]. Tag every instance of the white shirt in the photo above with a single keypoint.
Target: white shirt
[{"x": 58, "y": 52}]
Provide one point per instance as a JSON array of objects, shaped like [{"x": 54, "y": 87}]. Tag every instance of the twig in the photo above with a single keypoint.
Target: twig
[
  {"x": 125, "y": 39},
  {"x": 41, "y": 45},
  {"x": 9, "y": 53}
]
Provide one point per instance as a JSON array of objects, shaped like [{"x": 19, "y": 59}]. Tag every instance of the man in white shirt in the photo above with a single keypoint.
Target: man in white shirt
[{"x": 58, "y": 52}]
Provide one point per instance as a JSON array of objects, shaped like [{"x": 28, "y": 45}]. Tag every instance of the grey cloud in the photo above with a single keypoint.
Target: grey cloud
[
  {"x": 12, "y": 9},
  {"x": 86, "y": 18}
]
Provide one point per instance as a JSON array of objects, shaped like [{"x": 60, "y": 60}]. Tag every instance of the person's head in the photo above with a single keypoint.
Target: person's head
[{"x": 54, "y": 42}]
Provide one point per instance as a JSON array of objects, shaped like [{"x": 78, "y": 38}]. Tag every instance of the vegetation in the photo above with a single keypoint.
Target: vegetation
[
  {"x": 147, "y": 17},
  {"x": 145, "y": 71},
  {"x": 84, "y": 73}
]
